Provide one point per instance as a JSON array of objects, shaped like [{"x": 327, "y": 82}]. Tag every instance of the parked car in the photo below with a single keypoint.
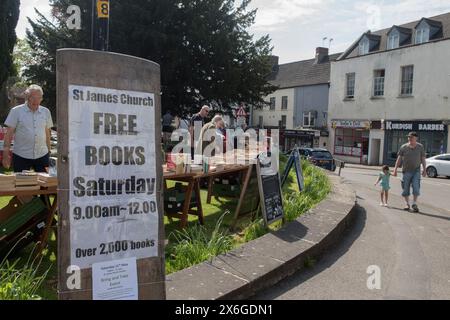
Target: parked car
[
  {"x": 319, "y": 157},
  {"x": 438, "y": 166}
]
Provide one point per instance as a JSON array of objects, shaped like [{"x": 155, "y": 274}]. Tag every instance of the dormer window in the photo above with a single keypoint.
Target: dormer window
[
  {"x": 422, "y": 35},
  {"x": 393, "y": 40},
  {"x": 427, "y": 30},
  {"x": 364, "y": 46},
  {"x": 398, "y": 37},
  {"x": 369, "y": 43}
]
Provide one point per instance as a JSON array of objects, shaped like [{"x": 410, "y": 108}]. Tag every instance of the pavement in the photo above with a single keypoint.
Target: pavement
[
  {"x": 387, "y": 254},
  {"x": 263, "y": 262}
]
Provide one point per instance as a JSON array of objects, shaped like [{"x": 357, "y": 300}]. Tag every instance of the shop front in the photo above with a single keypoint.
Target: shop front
[
  {"x": 351, "y": 140},
  {"x": 432, "y": 134},
  {"x": 299, "y": 138}
]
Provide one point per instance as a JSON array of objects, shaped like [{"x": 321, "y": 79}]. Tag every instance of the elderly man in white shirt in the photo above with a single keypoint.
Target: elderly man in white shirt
[{"x": 30, "y": 124}]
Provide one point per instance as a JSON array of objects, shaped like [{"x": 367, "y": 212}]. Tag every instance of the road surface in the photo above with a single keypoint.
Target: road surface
[{"x": 387, "y": 254}]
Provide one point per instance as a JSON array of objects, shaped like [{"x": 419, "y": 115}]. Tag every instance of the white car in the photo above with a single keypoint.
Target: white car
[{"x": 438, "y": 166}]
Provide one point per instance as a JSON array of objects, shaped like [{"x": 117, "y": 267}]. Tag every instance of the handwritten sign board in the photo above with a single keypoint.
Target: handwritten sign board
[{"x": 269, "y": 190}]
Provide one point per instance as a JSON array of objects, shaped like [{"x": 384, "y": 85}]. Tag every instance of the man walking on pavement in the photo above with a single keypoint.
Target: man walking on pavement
[{"x": 411, "y": 155}]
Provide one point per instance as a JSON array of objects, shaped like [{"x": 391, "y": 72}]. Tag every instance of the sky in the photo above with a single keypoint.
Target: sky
[{"x": 297, "y": 27}]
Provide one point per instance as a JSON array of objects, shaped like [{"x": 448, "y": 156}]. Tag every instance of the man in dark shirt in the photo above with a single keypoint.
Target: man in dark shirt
[
  {"x": 197, "y": 120},
  {"x": 167, "y": 126}
]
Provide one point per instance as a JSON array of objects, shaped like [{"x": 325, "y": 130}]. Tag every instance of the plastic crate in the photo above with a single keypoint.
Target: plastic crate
[
  {"x": 226, "y": 190},
  {"x": 174, "y": 198},
  {"x": 27, "y": 212}
]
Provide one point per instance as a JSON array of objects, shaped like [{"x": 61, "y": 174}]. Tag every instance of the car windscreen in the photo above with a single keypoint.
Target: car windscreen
[{"x": 321, "y": 155}]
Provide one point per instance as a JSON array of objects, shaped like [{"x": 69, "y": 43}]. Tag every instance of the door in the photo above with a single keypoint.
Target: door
[{"x": 375, "y": 145}]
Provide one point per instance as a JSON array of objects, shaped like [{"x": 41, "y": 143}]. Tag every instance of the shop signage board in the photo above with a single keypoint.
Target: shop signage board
[
  {"x": 418, "y": 126},
  {"x": 350, "y": 124},
  {"x": 110, "y": 197},
  {"x": 269, "y": 190}
]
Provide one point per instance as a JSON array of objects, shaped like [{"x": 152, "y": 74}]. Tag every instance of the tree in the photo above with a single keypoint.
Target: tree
[
  {"x": 23, "y": 57},
  {"x": 204, "y": 49},
  {"x": 9, "y": 15}
]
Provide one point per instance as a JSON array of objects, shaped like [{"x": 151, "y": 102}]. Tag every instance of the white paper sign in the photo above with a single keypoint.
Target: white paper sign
[
  {"x": 113, "y": 211},
  {"x": 115, "y": 280}
]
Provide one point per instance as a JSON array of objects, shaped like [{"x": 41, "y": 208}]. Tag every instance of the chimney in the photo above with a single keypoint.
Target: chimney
[
  {"x": 274, "y": 60},
  {"x": 321, "y": 54}
]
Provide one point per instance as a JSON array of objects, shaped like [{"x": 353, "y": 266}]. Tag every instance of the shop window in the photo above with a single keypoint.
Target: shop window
[{"x": 349, "y": 142}]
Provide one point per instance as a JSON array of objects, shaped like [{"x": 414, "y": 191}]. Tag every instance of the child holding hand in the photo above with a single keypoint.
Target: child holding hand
[{"x": 383, "y": 177}]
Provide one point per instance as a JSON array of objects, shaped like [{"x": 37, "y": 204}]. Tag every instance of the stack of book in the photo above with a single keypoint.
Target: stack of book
[
  {"x": 7, "y": 182},
  {"x": 46, "y": 180},
  {"x": 27, "y": 181}
]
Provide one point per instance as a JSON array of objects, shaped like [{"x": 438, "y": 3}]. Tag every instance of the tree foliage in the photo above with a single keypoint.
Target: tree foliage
[
  {"x": 204, "y": 48},
  {"x": 9, "y": 15}
]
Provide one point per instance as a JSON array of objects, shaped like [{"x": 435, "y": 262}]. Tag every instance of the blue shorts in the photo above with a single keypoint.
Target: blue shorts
[{"x": 411, "y": 178}]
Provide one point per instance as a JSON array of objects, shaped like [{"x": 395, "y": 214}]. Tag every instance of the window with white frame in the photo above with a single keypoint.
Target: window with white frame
[
  {"x": 364, "y": 46},
  {"x": 422, "y": 35},
  {"x": 309, "y": 119},
  {"x": 393, "y": 40},
  {"x": 378, "y": 83},
  {"x": 350, "y": 85},
  {"x": 407, "y": 80},
  {"x": 272, "y": 103},
  {"x": 284, "y": 103}
]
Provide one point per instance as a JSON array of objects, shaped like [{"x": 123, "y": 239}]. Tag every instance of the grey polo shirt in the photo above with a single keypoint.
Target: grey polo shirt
[{"x": 29, "y": 138}]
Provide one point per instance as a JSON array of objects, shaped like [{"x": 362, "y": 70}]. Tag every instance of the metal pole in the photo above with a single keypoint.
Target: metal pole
[
  {"x": 92, "y": 23},
  {"x": 101, "y": 25}
]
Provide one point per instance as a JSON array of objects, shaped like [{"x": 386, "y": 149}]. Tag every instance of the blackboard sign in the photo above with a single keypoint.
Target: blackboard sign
[
  {"x": 298, "y": 171},
  {"x": 269, "y": 191},
  {"x": 294, "y": 159}
]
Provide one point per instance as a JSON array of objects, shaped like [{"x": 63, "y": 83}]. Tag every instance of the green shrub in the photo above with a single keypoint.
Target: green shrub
[
  {"x": 21, "y": 283},
  {"x": 257, "y": 229},
  {"x": 317, "y": 187},
  {"x": 194, "y": 245}
]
